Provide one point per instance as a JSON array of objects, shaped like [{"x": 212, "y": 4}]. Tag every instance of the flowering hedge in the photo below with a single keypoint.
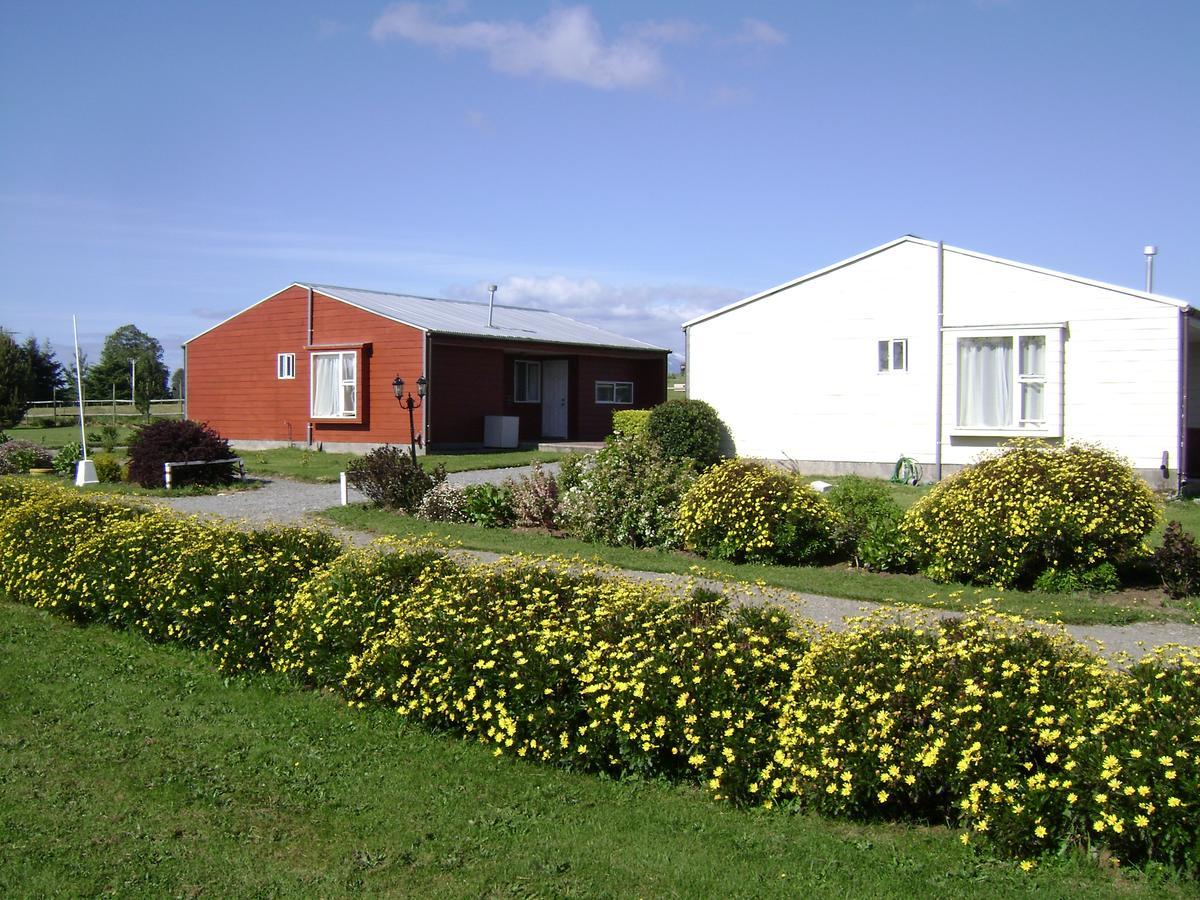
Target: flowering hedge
[
  {"x": 1015, "y": 735},
  {"x": 1008, "y": 518}
]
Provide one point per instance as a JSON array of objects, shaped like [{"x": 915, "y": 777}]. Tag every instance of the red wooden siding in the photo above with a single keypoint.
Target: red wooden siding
[{"x": 232, "y": 381}]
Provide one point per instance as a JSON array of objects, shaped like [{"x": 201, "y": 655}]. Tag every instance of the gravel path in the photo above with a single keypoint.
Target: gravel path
[{"x": 281, "y": 500}]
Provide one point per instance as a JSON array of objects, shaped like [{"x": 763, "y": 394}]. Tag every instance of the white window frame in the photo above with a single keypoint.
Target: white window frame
[
  {"x": 888, "y": 364},
  {"x": 612, "y": 386},
  {"x": 342, "y": 383},
  {"x": 285, "y": 366},
  {"x": 1052, "y": 380},
  {"x": 533, "y": 380}
]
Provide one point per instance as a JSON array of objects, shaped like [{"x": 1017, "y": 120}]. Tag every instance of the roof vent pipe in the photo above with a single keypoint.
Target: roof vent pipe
[
  {"x": 491, "y": 302},
  {"x": 1151, "y": 251}
]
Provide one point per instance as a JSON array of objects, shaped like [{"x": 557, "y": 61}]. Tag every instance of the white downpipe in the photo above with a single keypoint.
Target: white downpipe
[{"x": 941, "y": 317}]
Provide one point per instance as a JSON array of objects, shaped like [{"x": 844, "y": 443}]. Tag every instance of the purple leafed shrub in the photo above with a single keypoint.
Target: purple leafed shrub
[{"x": 178, "y": 441}]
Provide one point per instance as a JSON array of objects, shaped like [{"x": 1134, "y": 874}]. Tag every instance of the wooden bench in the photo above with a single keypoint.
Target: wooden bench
[{"x": 167, "y": 467}]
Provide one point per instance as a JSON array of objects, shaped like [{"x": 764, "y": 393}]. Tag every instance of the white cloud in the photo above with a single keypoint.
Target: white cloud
[
  {"x": 756, "y": 32},
  {"x": 648, "y": 312},
  {"x": 566, "y": 44}
]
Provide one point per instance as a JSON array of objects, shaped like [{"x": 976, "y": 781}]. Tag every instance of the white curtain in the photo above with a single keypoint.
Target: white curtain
[
  {"x": 985, "y": 395},
  {"x": 327, "y": 385}
]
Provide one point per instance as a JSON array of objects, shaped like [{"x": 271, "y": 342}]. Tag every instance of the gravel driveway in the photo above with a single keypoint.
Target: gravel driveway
[{"x": 281, "y": 500}]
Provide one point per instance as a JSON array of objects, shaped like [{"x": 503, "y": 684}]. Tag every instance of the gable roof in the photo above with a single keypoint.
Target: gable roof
[
  {"x": 912, "y": 239},
  {"x": 469, "y": 318}
]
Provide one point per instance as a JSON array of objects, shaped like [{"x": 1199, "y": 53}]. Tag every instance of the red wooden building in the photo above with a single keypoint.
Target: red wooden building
[{"x": 314, "y": 364}]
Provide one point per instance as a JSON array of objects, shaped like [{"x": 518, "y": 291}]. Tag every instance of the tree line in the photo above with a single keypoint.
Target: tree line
[{"x": 131, "y": 365}]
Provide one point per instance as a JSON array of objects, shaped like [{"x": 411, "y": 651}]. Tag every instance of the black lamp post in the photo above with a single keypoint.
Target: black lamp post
[{"x": 410, "y": 404}]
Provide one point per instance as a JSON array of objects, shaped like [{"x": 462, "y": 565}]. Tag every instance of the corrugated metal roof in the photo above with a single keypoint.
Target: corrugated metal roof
[{"x": 466, "y": 317}]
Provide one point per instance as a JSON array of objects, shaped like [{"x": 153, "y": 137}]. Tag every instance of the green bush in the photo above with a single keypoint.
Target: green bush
[
  {"x": 627, "y": 495},
  {"x": 108, "y": 468},
  {"x": 687, "y": 429},
  {"x": 1099, "y": 579},
  {"x": 1177, "y": 562},
  {"x": 745, "y": 511},
  {"x": 570, "y": 471},
  {"x": 534, "y": 498},
  {"x": 66, "y": 458},
  {"x": 1010, "y": 517},
  {"x": 630, "y": 422},
  {"x": 107, "y": 437},
  {"x": 868, "y": 525},
  {"x": 390, "y": 478},
  {"x": 490, "y": 505}
]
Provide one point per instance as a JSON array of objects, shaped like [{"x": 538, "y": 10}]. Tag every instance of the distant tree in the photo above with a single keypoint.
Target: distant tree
[
  {"x": 177, "y": 384},
  {"x": 69, "y": 392},
  {"x": 128, "y": 344},
  {"x": 48, "y": 375},
  {"x": 15, "y": 379}
]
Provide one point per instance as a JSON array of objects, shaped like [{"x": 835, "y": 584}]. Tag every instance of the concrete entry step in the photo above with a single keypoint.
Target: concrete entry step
[{"x": 570, "y": 446}]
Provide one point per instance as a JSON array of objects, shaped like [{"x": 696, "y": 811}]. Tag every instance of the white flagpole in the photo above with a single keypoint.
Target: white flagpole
[{"x": 79, "y": 389}]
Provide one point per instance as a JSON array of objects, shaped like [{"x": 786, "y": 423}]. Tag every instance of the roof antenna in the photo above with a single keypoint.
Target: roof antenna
[
  {"x": 491, "y": 302},
  {"x": 1150, "y": 250}
]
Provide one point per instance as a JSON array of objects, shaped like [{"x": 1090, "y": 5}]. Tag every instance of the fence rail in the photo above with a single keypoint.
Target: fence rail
[{"x": 68, "y": 409}]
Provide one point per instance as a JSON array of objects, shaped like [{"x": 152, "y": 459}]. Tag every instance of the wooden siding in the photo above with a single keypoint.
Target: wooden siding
[{"x": 232, "y": 381}]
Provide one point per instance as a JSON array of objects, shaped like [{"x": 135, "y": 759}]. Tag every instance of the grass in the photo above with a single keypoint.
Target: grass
[
  {"x": 833, "y": 581},
  {"x": 322, "y": 467},
  {"x": 57, "y": 436},
  {"x": 135, "y": 769}
]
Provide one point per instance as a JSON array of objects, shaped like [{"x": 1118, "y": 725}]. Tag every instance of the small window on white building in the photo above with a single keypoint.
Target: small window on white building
[
  {"x": 893, "y": 355},
  {"x": 285, "y": 365},
  {"x": 620, "y": 392},
  {"x": 335, "y": 385},
  {"x": 527, "y": 381}
]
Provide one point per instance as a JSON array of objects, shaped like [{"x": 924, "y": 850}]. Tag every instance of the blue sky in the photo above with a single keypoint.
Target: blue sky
[{"x": 630, "y": 164}]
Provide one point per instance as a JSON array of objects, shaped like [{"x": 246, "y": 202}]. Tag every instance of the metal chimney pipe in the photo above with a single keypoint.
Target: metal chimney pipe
[
  {"x": 491, "y": 302},
  {"x": 1151, "y": 251}
]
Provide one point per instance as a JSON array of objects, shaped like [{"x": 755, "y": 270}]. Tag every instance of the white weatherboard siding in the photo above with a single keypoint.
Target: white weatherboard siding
[
  {"x": 794, "y": 371},
  {"x": 795, "y": 374}
]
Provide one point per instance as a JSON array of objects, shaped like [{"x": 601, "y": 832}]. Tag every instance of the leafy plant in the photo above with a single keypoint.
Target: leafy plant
[
  {"x": 630, "y": 422},
  {"x": 106, "y": 436},
  {"x": 178, "y": 441},
  {"x": 108, "y": 467},
  {"x": 66, "y": 458},
  {"x": 490, "y": 505},
  {"x": 688, "y": 429},
  {"x": 868, "y": 525},
  {"x": 627, "y": 495},
  {"x": 1099, "y": 579},
  {"x": 1033, "y": 507},
  {"x": 390, "y": 478},
  {"x": 19, "y": 456},
  {"x": 1177, "y": 562},
  {"x": 745, "y": 511},
  {"x": 534, "y": 498}
]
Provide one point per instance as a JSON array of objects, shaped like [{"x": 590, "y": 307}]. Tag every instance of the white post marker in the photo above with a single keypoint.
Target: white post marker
[{"x": 345, "y": 491}]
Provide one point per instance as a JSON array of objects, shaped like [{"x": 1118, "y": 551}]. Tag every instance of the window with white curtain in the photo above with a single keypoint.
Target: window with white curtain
[
  {"x": 1002, "y": 381},
  {"x": 335, "y": 385}
]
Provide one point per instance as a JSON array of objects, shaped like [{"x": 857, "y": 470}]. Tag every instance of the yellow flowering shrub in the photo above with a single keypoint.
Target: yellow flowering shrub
[
  {"x": 1008, "y": 518},
  {"x": 745, "y": 511}
]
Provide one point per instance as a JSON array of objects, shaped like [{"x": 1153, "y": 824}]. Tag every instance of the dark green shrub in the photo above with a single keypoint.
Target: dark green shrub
[
  {"x": 626, "y": 495},
  {"x": 745, "y": 511},
  {"x": 687, "y": 428},
  {"x": 570, "y": 471},
  {"x": 868, "y": 525},
  {"x": 390, "y": 478},
  {"x": 1177, "y": 562},
  {"x": 490, "y": 505},
  {"x": 19, "y": 456},
  {"x": 106, "y": 436},
  {"x": 1033, "y": 507},
  {"x": 173, "y": 441},
  {"x": 1100, "y": 579}
]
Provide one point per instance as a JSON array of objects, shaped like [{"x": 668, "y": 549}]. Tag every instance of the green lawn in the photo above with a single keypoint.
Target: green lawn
[
  {"x": 835, "y": 581},
  {"x": 319, "y": 466},
  {"x": 137, "y": 770}
]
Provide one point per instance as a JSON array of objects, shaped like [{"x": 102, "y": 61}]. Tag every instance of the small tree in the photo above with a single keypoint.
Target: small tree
[{"x": 126, "y": 350}]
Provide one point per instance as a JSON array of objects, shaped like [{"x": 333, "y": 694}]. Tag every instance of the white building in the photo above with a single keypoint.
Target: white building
[{"x": 939, "y": 353}]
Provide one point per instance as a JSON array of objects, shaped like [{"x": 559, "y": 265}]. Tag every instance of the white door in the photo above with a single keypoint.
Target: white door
[{"x": 554, "y": 398}]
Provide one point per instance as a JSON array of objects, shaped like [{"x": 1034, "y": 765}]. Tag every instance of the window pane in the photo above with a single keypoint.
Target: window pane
[
  {"x": 347, "y": 400},
  {"x": 325, "y": 386},
  {"x": 898, "y": 348},
  {"x": 1033, "y": 356},
  {"x": 883, "y": 356},
  {"x": 1032, "y": 402},
  {"x": 604, "y": 392},
  {"x": 623, "y": 392},
  {"x": 985, "y": 386},
  {"x": 348, "y": 360}
]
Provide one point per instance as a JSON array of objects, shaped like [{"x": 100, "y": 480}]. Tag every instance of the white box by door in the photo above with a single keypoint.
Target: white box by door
[{"x": 501, "y": 431}]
